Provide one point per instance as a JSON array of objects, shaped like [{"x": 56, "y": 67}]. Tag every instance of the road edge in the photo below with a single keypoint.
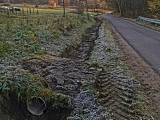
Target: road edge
[{"x": 147, "y": 77}]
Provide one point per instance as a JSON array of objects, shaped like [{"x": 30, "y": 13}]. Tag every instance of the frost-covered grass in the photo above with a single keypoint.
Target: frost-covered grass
[
  {"x": 108, "y": 55},
  {"x": 25, "y": 36}
]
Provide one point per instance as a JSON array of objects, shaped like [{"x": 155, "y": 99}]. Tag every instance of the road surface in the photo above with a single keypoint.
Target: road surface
[{"x": 144, "y": 40}]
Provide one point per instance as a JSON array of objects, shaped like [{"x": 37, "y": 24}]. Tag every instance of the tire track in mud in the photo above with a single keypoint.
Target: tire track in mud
[
  {"x": 119, "y": 95},
  {"x": 119, "y": 90}
]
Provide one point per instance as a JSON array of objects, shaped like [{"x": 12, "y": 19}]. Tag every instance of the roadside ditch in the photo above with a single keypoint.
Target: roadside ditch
[{"x": 93, "y": 76}]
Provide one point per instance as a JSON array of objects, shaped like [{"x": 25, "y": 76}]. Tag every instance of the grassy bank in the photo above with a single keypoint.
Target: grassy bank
[{"x": 27, "y": 36}]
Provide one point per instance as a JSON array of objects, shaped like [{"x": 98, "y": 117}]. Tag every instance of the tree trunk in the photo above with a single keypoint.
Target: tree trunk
[{"x": 64, "y": 11}]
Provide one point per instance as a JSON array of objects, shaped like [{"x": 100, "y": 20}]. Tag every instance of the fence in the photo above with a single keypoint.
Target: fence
[
  {"x": 22, "y": 11},
  {"x": 156, "y": 22}
]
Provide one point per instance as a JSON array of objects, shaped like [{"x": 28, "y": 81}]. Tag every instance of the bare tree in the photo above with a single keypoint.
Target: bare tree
[{"x": 129, "y": 8}]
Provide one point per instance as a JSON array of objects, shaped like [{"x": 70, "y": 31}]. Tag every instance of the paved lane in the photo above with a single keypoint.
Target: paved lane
[{"x": 145, "y": 41}]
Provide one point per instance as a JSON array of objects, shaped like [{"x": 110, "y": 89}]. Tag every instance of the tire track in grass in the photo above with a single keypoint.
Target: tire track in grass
[
  {"x": 119, "y": 96},
  {"x": 120, "y": 92}
]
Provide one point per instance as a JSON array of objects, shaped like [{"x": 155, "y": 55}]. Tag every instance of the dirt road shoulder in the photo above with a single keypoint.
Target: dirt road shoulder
[{"x": 150, "y": 81}]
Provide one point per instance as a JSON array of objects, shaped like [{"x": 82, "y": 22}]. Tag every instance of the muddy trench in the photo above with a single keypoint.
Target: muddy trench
[
  {"x": 83, "y": 50},
  {"x": 68, "y": 75}
]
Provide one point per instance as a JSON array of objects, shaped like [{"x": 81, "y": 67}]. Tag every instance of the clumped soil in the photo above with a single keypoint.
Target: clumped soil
[{"x": 71, "y": 78}]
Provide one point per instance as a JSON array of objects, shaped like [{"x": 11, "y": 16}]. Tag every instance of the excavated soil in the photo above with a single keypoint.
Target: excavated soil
[{"x": 72, "y": 77}]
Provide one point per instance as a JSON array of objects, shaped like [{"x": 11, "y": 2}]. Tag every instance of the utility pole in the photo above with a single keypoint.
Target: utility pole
[{"x": 78, "y": 8}]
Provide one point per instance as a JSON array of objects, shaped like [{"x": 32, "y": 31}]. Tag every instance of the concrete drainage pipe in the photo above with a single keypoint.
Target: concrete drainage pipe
[{"x": 36, "y": 106}]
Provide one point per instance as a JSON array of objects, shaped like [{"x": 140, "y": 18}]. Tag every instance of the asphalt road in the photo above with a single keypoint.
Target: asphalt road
[{"x": 144, "y": 40}]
